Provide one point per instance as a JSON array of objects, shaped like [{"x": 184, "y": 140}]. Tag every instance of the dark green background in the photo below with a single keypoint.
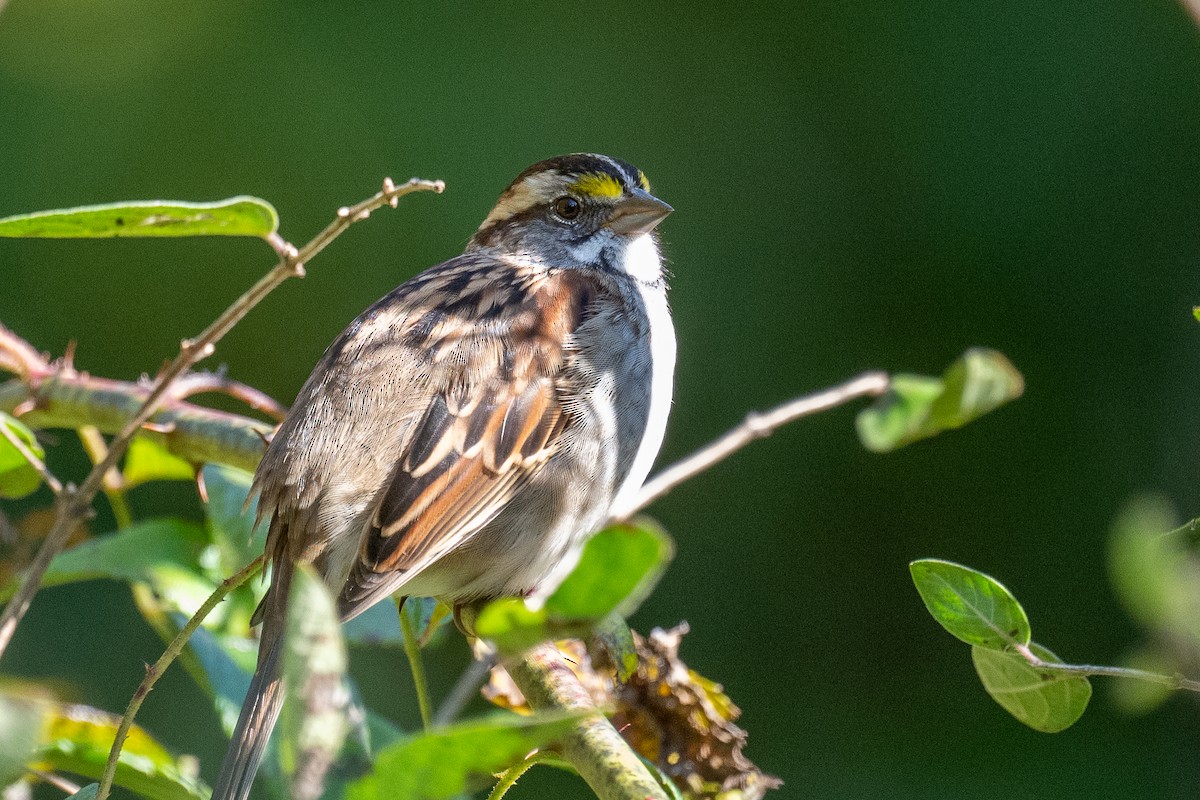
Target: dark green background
[{"x": 857, "y": 184}]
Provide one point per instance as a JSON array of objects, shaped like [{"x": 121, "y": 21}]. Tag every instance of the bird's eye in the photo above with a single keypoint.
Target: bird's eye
[{"x": 567, "y": 207}]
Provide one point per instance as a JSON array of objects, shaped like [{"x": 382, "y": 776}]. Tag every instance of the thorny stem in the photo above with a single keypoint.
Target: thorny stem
[
  {"x": 153, "y": 673},
  {"x": 1176, "y": 681},
  {"x": 510, "y": 776},
  {"x": 74, "y": 505},
  {"x": 757, "y": 425}
]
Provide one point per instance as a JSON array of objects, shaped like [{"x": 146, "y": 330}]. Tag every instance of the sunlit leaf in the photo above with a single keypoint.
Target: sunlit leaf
[
  {"x": 917, "y": 407},
  {"x": 137, "y": 553},
  {"x": 312, "y": 722},
  {"x": 147, "y": 460},
  {"x": 17, "y": 476},
  {"x": 618, "y": 569},
  {"x": 1045, "y": 701},
  {"x": 237, "y": 216},
  {"x": 444, "y": 763},
  {"x": 77, "y": 739},
  {"x": 972, "y": 606}
]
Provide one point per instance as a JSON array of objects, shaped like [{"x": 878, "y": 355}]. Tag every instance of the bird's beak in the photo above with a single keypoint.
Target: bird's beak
[{"x": 638, "y": 213}]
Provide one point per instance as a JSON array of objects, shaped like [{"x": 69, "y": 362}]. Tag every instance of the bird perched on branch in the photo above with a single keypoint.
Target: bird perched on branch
[{"x": 465, "y": 435}]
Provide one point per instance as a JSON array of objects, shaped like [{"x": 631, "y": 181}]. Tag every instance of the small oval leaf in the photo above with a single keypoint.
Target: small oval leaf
[
  {"x": 916, "y": 407},
  {"x": 441, "y": 764},
  {"x": 77, "y": 739},
  {"x": 1045, "y": 701},
  {"x": 973, "y": 606},
  {"x": 617, "y": 570},
  {"x": 237, "y": 216}
]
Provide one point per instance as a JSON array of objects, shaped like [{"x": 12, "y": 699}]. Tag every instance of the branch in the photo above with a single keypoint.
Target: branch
[
  {"x": 75, "y": 504},
  {"x": 194, "y": 433},
  {"x": 593, "y": 746},
  {"x": 757, "y": 425}
]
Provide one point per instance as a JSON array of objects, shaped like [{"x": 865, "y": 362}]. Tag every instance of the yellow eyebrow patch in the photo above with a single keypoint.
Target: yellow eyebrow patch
[
  {"x": 597, "y": 184},
  {"x": 643, "y": 181}
]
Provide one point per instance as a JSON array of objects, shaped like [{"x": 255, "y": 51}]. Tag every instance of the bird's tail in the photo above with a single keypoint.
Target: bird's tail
[{"x": 260, "y": 709}]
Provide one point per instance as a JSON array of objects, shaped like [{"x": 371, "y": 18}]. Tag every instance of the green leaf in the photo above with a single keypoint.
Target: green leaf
[
  {"x": 17, "y": 476},
  {"x": 443, "y": 763},
  {"x": 146, "y": 551},
  {"x": 974, "y": 607},
  {"x": 147, "y": 460},
  {"x": 77, "y": 739},
  {"x": 89, "y": 792},
  {"x": 617, "y": 570},
  {"x": 1045, "y": 701},
  {"x": 230, "y": 518},
  {"x": 916, "y": 407},
  {"x": 22, "y": 714},
  {"x": 237, "y": 216},
  {"x": 312, "y": 722}
]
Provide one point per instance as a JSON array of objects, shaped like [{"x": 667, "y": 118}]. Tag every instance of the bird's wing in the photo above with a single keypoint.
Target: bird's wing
[{"x": 492, "y": 424}]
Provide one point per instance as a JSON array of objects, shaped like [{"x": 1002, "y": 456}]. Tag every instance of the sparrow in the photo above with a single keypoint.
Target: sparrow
[{"x": 467, "y": 433}]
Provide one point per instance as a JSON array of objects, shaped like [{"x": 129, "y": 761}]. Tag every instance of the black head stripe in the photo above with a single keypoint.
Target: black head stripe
[{"x": 581, "y": 164}]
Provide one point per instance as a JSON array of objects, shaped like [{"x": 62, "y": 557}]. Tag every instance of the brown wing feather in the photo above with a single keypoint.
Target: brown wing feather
[
  {"x": 447, "y": 486},
  {"x": 478, "y": 442}
]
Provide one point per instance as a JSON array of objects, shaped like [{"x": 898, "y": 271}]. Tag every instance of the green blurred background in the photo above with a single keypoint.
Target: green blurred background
[{"x": 857, "y": 184}]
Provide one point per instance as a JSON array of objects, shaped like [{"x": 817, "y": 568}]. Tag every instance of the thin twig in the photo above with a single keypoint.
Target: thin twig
[
  {"x": 38, "y": 465},
  {"x": 1170, "y": 681},
  {"x": 153, "y": 673},
  {"x": 55, "y": 780},
  {"x": 74, "y": 505},
  {"x": 202, "y": 382},
  {"x": 18, "y": 356},
  {"x": 464, "y": 689},
  {"x": 757, "y": 425},
  {"x": 1193, "y": 8}
]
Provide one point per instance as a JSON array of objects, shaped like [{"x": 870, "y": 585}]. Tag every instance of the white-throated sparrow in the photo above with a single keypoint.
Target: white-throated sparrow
[{"x": 463, "y": 437}]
